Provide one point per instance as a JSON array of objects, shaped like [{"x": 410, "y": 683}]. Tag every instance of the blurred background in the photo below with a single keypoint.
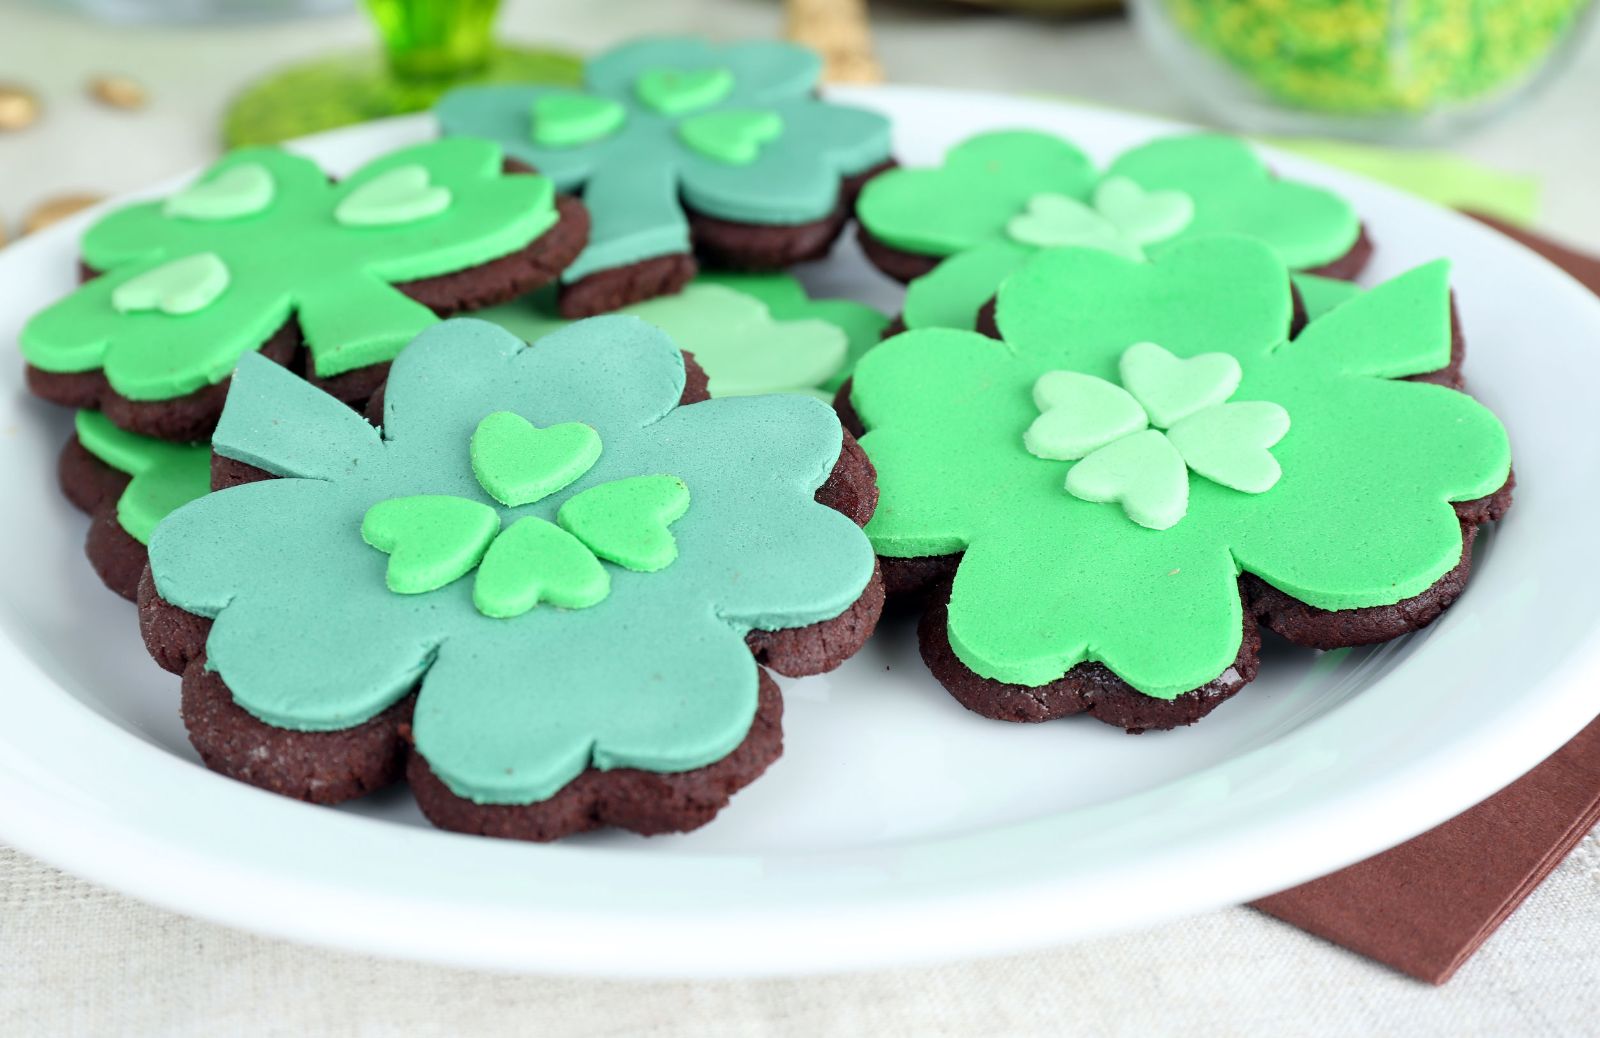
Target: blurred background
[{"x": 1484, "y": 104}]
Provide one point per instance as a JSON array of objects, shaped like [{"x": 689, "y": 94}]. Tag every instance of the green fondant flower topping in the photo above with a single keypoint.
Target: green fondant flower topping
[
  {"x": 192, "y": 284},
  {"x": 1141, "y": 469},
  {"x": 974, "y": 439},
  {"x": 999, "y": 197},
  {"x": 734, "y": 132},
  {"x": 164, "y": 475},
  {"x": 623, "y": 668}
]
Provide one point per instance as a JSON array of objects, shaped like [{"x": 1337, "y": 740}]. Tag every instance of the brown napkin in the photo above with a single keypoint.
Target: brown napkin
[{"x": 1427, "y": 905}]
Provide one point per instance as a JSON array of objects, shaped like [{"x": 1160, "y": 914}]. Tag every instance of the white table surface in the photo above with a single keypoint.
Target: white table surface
[{"x": 78, "y": 959}]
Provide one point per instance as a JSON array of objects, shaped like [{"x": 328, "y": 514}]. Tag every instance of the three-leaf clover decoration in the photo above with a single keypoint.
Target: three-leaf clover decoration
[
  {"x": 1106, "y": 429},
  {"x": 998, "y": 198},
  {"x": 736, "y": 132},
  {"x": 435, "y": 539}
]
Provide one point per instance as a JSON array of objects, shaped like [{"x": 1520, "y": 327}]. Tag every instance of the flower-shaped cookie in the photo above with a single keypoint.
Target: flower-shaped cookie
[
  {"x": 191, "y": 283},
  {"x": 1001, "y": 197},
  {"x": 673, "y": 139},
  {"x": 1131, "y": 395},
  {"x": 751, "y": 333},
  {"x": 562, "y": 563}
]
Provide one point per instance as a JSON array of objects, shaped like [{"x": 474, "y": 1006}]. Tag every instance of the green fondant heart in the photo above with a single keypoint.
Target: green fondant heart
[
  {"x": 1143, "y": 473},
  {"x": 242, "y": 190},
  {"x": 1229, "y": 444},
  {"x": 431, "y": 539},
  {"x": 536, "y": 561},
  {"x": 182, "y": 286},
  {"x": 1143, "y": 217},
  {"x": 732, "y": 135},
  {"x": 672, "y": 91},
  {"x": 1053, "y": 221},
  {"x": 1081, "y": 414},
  {"x": 1170, "y": 388},
  {"x": 570, "y": 119},
  {"x": 519, "y": 463},
  {"x": 625, "y": 521},
  {"x": 400, "y": 195}
]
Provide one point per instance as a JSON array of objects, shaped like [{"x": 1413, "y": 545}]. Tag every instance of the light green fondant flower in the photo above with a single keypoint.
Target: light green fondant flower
[
  {"x": 736, "y": 132},
  {"x": 604, "y": 626},
  {"x": 1000, "y": 197},
  {"x": 752, "y": 333},
  {"x": 1350, "y": 508},
  {"x": 192, "y": 283}
]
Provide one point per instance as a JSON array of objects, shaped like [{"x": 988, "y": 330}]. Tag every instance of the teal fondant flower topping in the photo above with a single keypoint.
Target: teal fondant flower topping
[
  {"x": 1000, "y": 197},
  {"x": 736, "y": 132},
  {"x": 434, "y": 539},
  {"x": 1349, "y": 506},
  {"x": 192, "y": 283},
  {"x": 605, "y": 617}
]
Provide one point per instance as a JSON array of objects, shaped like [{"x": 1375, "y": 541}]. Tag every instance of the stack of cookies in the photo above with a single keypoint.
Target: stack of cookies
[{"x": 540, "y": 562}]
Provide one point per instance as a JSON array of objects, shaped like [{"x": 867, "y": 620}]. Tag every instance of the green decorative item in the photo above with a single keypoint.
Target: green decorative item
[
  {"x": 537, "y": 668},
  {"x": 429, "y": 46},
  {"x": 1081, "y": 414},
  {"x": 673, "y": 91},
  {"x": 519, "y": 464},
  {"x": 242, "y": 190},
  {"x": 733, "y": 135},
  {"x": 751, "y": 333},
  {"x": 536, "y": 561},
  {"x": 182, "y": 298},
  {"x": 1000, "y": 197},
  {"x": 567, "y": 120},
  {"x": 1310, "y": 463},
  {"x": 1359, "y": 59},
  {"x": 164, "y": 475},
  {"x": 431, "y": 539},
  {"x": 626, "y": 521}
]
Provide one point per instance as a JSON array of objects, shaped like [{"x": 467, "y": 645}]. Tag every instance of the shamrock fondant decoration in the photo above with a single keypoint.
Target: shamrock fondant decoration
[
  {"x": 600, "y": 623},
  {"x": 434, "y": 539},
  {"x": 1000, "y": 197},
  {"x": 734, "y": 132},
  {"x": 752, "y": 333},
  {"x": 162, "y": 476},
  {"x": 1147, "y": 441},
  {"x": 191, "y": 284}
]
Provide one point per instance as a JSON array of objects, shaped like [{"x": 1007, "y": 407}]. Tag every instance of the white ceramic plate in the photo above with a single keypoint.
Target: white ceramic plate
[{"x": 897, "y": 827}]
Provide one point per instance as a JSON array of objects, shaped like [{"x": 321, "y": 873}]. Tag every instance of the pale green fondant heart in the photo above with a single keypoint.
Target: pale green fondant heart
[
  {"x": 536, "y": 561},
  {"x": 567, "y": 120},
  {"x": 1143, "y": 473},
  {"x": 625, "y": 521},
  {"x": 1171, "y": 388},
  {"x": 519, "y": 463},
  {"x": 400, "y": 195},
  {"x": 183, "y": 286},
  {"x": 1229, "y": 444},
  {"x": 1080, "y": 414},
  {"x": 1054, "y": 221},
  {"x": 672, "y": 91},
  {"x": 431, "y": 539},
  {"x": 242, "y": 190},
  {"x": 731, "y": 135},
  {"x": 1143, "y": 217}
]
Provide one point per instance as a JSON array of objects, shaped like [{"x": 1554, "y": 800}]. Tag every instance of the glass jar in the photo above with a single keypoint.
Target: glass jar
[{"x": 1387, "y": 70}]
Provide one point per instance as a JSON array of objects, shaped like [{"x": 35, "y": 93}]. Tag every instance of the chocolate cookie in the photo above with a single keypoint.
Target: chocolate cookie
[
  {"x": 264, "y": 254},
  {"x": 583, "y": 652},
  {"x": 681, "y": 147},
  {"x": 1099, "y": 510}
]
